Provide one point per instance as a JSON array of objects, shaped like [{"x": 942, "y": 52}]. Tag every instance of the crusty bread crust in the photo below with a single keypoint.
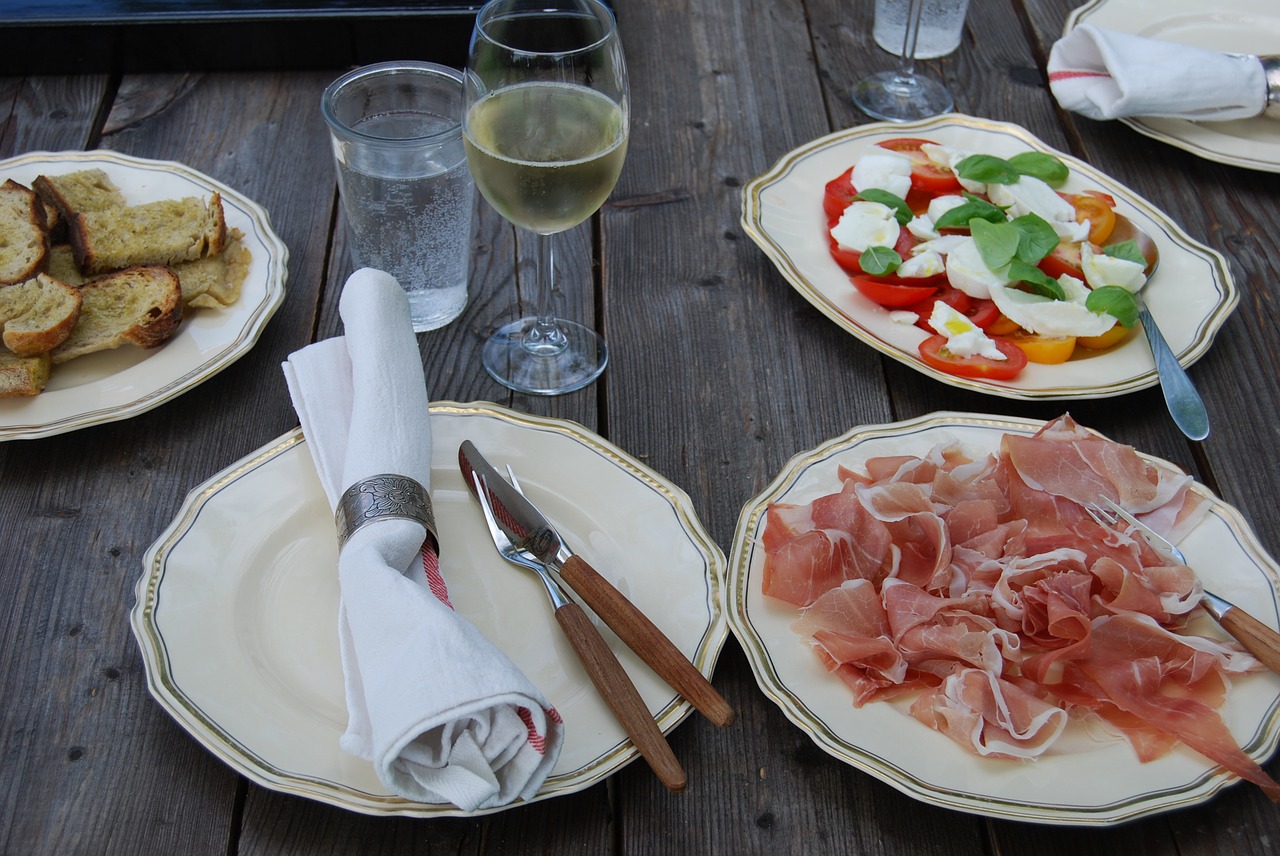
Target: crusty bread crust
[
  {"x": 24, "y": 246},
  {"x": 22, "y": 376},
  {"x": 139, "y": 305},
  {"x": 38, "y": 315}
]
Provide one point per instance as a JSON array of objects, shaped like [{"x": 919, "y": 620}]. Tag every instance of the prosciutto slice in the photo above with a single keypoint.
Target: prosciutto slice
[{"x": 983, "y": 586}]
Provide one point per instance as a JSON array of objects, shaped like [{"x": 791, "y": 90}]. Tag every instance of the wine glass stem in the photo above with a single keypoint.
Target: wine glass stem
[
  {"x": 907, "y": 62},
  {"x": 544, "y": 337}
]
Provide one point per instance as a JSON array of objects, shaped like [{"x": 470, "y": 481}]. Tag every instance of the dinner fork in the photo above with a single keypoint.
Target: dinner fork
[
  {"x": 1257, "y": 638},
  {"x": 606, "y": 673}
]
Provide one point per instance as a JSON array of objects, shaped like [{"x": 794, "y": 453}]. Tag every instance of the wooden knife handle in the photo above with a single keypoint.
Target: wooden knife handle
[
  {"x": 643, "y": 637},
  {"x": 620, "y": 694},
  {"x": 1257, "y": 638}
]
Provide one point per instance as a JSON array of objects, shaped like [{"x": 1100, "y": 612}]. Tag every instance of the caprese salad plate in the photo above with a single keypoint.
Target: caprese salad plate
[
  {"x": 1237, "y": 26},
  {"x": 1190, "y": 294}
]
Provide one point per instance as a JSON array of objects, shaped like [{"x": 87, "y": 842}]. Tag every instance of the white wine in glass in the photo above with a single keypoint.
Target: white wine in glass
[{"x": 545, "y": 132}]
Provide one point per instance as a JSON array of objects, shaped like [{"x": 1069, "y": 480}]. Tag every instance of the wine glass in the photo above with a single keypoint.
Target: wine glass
[
  {"x": 902, "y": 95},
  {"x": 545, "y": 130}
]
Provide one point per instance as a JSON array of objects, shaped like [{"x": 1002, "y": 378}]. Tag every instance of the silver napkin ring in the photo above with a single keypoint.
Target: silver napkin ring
[
  {"x": 1271, "y": 68},
  {"x": 384, "y": 497}
]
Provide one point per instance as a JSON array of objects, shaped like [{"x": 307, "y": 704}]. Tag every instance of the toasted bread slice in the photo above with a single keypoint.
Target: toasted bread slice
[
  {"x": 155, "y": 233},
  {"x": 21, "y": 376},
  {"x": 38, "y": 315},
  {"x": 83, "y": 190},
  {"x": 139, "y": 305},
  {"x": 62, "y": 265},
  {"x": 24, "y": 246}
]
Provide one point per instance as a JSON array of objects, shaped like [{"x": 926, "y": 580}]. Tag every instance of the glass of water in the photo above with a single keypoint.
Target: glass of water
[
  {"x": 407, "y": 194},
  {"x": 903, "y": 95}
]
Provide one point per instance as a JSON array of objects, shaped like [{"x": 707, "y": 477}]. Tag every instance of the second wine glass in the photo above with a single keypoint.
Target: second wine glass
[{"x": 545, "y": 130}]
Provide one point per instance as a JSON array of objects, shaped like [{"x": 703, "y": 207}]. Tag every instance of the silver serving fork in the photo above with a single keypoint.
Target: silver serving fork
[
  {"x": 1257, "y": 638},
  {"x": 606, "y": 673}
]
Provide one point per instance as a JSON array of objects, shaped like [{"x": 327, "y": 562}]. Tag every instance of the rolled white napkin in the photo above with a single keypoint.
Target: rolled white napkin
[
  {"x": 443, "y": 715},
  {"x": 1104, "y": 74}
]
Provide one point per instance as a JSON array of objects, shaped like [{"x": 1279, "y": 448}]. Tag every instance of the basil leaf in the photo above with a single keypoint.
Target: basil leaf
[
  {"x": 1037, "y": 237},
  {"x": 1115, "y": 301},
  {"x": 901, "y": 210},
  {"x": 972, "y": 209},
  {"x": 987, "y": 168},
  {"x": 879, "y": 261},
  {"x": 1127, "y": 250},
  {"x": 1039, "y": 165},
  {"x": 1039, "y": 281},
  {"x": 997, "y": 242}
]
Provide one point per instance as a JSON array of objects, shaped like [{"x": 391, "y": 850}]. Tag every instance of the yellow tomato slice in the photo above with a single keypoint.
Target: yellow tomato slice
[
  {"x": 1094, "y": 207},
  {"x": 1002, "y": 326},
  {"x": 1049, "y": 350},
  {"x": 1109, "y": 339}
]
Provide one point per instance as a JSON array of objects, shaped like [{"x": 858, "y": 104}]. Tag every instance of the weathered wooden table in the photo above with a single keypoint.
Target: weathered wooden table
[{"x": 720, "y": 372}]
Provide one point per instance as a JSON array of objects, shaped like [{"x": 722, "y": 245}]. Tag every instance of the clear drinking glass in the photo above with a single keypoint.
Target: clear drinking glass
[
  {"x": 545, "y": 129},
  {"x": 902, "y": 95}
]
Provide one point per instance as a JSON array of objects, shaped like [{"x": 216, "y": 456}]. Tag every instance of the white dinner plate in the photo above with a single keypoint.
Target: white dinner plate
[
  {"x": 1191, "y": 294},
  {"x": 237, "y": 606},
  {"x": 1080, "y": 781},
  {"x": 1237, "y": 26},
  {"x": 124, "y": 382}
]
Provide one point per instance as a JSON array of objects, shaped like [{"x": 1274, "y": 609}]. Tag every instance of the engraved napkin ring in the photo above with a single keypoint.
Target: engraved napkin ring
[
  {"x": 383, "y": 497},
  {"x": 1271, "y": 67}
]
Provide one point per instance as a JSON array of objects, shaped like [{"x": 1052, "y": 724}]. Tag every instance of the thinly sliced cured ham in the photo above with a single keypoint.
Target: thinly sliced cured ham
[{"x": 981, "y": 584}]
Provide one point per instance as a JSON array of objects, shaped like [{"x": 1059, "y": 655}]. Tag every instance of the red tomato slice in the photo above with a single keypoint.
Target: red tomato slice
[
  {"x": 1065, "y": 259},
  {"x": 934, "y": 353},
  {"x": 839, "y": 193},
  {"x": 926, "y": 176},
  {"x": 892, "y": 292},
  {"x": 984, "y": 312}
]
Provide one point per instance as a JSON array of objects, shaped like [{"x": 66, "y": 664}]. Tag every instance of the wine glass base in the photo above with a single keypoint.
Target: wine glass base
[
  {"x": 894, "y": 97},
  {"x": 548, "y": 370}
]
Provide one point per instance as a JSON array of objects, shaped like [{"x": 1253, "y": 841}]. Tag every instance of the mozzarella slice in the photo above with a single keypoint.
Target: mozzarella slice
[
  {"x": 922, "y": 228},
  {"x": 1045, "y": 316},
  {"x": 866, "y": 224},
  {"x": 922, "y": 265},
  {"x": 1030, "y": 195},
  {"x": 883, "y": 170},
  {"x": 968, "y": 272},
  {"x": 948, "y": 157},
  {"x": 1101, "y": 269},
  {"x": 941, "y": 245},
  {"x": 964, "y": 338}
]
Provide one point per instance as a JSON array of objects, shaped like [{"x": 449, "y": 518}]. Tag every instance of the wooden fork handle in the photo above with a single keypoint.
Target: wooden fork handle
[
  {"x": 621, "y": 695},
  {"x": 1257, "y": 638},
  {"x": 643, "y": 637}
]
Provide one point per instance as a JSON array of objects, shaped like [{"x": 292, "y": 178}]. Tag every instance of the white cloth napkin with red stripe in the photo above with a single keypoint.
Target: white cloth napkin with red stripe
[
  {"x": 1104, "y": 74},
  {"x": 443, "y": 715}
]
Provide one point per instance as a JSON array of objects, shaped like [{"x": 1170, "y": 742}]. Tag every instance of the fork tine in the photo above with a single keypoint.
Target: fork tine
[{"x": 1150, "y": 534}]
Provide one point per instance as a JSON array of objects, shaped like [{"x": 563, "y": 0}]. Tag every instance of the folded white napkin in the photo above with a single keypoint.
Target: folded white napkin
[
  {"x": 441, "y": 713},
  {"x": 1104, "y": 74}
]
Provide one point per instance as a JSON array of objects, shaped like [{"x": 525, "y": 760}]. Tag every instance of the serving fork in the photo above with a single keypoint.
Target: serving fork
[
  {"x": 606, "y": 673},
  {"x": 1257, "y": 638}
]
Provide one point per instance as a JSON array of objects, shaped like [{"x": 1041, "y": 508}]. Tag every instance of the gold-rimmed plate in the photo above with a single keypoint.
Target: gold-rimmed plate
[
  {"x": 118, "y": 384},
  {"x": 237, "y": 606},
  {"x": 1235, "y": 26},
  {"x": 1191, "y": 295},
  {"x": 1068, "y": 785}
]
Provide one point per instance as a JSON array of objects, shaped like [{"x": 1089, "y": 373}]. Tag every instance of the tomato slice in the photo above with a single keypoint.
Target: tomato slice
[
  {"x": 1099, "y": 209},
  {"x": 933, "y": 351},
  {"x": 892, "y": 292},
  {"x": 849, "y": 259},
  {"x": 983, "y": 312},
  {"x": 1047, "y": 350},
  {"x": 838, "y": 195},
  {"x": 926, "y": 176},
  {"x": 1001, "y": 325},
  {"x": 1065, "y": 259}
]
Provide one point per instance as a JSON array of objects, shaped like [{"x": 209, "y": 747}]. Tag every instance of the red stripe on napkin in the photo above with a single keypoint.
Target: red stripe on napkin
[
  {"x": 435, "y": 582},
  {"x": 1071, "y": 75},
  {"x": 536, "y": 740}
]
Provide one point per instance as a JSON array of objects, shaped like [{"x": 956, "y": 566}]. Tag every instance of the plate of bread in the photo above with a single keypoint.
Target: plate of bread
[{"x": 124, "y": 282}]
